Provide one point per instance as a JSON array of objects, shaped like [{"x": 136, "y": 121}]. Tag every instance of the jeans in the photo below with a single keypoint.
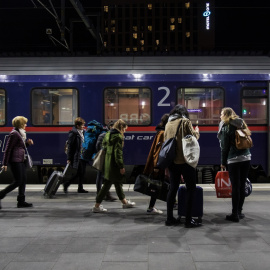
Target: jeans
[
  {"x": 189, "y": 175},
  {"x": 238, "y": 173},
  {"x": 99, "y": 181},
  {"x": 19, "y": 173}
]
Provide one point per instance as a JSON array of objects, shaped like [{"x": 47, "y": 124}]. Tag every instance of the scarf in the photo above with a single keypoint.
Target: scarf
[{"x": 23, "y": 133}]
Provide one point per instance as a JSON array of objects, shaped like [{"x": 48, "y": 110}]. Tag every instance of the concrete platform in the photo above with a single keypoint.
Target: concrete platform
[{"x": 62, "y": 234}]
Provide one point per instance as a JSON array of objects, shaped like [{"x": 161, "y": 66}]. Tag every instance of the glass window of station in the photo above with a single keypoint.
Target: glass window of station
[
  {"x": 2, "y": 107},
  {"x": 254, "y": 106},
  {"x": 54, "y": 107},
  {"x": 133, "y": 105},
  {"x": 204, "y": 104}
]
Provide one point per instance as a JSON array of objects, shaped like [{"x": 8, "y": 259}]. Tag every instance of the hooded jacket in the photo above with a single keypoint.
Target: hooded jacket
[
  {"x": 113, "y": 145},
  {"x": 226, "y": 136}
]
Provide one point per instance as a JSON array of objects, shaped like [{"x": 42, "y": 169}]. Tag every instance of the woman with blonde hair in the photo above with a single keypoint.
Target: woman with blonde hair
[
  {"x": 237, "y": 160},
  {"x": 14, "y": 156},
  {"x": 114, "y": 170}
]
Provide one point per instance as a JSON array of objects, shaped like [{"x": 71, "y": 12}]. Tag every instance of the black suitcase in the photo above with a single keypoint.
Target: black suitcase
[
  {"x": 197, "y": 207},
  {"x": 53, "y": 183}
]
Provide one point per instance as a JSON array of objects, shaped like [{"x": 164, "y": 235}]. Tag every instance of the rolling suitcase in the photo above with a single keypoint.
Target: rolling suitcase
[
  {"x": 53, "y": 183},
  {"x": 197, "y": 206}
]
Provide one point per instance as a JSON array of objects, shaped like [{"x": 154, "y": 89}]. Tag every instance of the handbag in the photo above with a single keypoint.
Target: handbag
[
  {"x": 223, "y": 185},
  {"x": 28, "y": 161},
  {"x": 151, "y": 187},
  {"x": 99, "y": 160},
  {"x": 243, "y": 139},
  {"x": 191, "y": 149},
  {"x": 168, "y": 151},
  {"x": 248, "y": 187}
]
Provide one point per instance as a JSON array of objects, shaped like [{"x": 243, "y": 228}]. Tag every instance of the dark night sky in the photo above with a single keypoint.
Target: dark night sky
[{"x": 240, "y": 25}]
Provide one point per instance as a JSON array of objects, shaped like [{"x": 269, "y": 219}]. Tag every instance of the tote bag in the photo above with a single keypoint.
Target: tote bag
[
  {"x": 168, "y": 151},
  {"x": 223, "y": 185},
  {"x": 191, "y": 149},
  {"x": 99, "y": 159}
]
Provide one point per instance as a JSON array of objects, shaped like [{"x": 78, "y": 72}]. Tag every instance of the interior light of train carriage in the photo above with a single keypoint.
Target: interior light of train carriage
[{"x": 244, "y": 111}]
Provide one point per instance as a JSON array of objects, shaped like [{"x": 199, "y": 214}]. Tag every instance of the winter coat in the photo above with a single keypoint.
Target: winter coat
[
  {"x": 226, "y": 137},
  {"x": 74, "y": 147},
  {"x": 170, "y": 131},
  {"x": 15, "y": 149},
  {"x": 152, "y": 158},
  {"x": 113, "y": 145}
]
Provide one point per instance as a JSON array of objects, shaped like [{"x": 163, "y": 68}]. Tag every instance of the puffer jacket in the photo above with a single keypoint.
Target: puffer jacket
[
  {"x": 226, "y": 136},
  {"x": 113, "y": 145},
  {"x": 15, "y": 149},
  {"x": 74, "y": 147},
  {"x": 170, "y": 131}
]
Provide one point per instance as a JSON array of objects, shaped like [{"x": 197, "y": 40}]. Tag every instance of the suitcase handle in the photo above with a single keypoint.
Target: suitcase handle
[{"x": 65, "y": 170}]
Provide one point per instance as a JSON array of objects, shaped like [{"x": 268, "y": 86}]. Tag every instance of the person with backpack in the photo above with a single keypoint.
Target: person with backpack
[
  {"x": 74, "y": 149},
  {"x": 114, "y": 170},
  {"x": 237, "y": 160},
  {"x": 99, "y": 179}
]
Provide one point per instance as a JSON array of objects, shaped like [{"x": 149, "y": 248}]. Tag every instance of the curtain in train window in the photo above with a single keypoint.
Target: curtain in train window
[
  {"x": 2, "y": 107},
  {"x": 254, "y": 106},
  {"x": 129, "y": 104},
  {"x": 204, "y": 104},
  {"x": 54, "y": 107}
]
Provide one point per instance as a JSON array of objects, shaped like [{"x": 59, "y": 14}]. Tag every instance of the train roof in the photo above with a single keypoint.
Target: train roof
[{"x": 135, "y": 65}]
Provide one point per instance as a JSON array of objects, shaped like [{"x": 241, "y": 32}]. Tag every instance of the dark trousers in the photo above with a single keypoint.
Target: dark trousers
[
  {"x": 238, "y": 173},
  {"x": 189, "y": 175},
  {"x": 79, "y": 174},
  {"x": 19, "y": 173},
  {"x": 105, "y": 189},
  {"x": 99, "y": 181}
]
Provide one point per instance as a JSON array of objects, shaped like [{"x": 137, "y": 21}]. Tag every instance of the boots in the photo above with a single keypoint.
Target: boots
[
  {"x": 22, "y": 203},
  {"x": 109, "y": 197}
]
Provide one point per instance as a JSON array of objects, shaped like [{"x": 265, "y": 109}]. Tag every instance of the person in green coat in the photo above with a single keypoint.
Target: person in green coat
[{"x": 114, "y": 170}]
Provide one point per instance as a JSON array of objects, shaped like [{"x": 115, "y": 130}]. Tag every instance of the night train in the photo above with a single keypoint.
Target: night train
[{"x": 51, "y": 92}]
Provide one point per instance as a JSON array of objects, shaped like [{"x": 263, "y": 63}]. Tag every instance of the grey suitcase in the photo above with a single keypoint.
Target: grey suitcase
[{"x": 53, "y": 183}]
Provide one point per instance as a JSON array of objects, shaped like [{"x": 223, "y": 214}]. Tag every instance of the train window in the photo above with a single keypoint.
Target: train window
[
  {"x": 2, "y": 107},
  {"x": 130, "y": 104},
  {"x": 254, "y": 106},
  {"x": 54, "y": 107},
  {"x": 204, "y": 104}
]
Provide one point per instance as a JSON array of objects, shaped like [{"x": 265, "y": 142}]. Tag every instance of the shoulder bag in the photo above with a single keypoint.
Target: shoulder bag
[
  {"x": 242, "y": 139},
  {"x": 99, "y": 159},
  {"x": 168, "y": 151},
  {"x": 191, "y": 149}
]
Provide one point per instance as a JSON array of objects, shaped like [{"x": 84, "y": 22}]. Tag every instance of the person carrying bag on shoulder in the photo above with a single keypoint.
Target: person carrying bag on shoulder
[
  {"x": 15, "y": 157},
  {"x": 237, "y": 160},
  {"x": 179, "y": 166}
]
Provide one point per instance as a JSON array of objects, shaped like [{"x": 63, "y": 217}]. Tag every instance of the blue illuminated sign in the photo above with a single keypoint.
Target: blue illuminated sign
[{"x": 206, "y": 14}]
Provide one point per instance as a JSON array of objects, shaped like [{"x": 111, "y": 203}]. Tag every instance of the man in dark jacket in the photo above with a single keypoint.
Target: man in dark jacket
[{"x": 75, "y": 141}]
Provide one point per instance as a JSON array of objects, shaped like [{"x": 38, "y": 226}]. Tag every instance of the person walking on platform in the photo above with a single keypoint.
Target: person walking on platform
[
  {"x": 237, "y": 160},
  {"x": 99, "y": 179},
  {"x": 15, "y": 156},
  {"x": 75, "y": 141},
  {"x": 179, "y": 166},
  {"x": 114, "y": 171},
  {"x": 152, "y": 159}
]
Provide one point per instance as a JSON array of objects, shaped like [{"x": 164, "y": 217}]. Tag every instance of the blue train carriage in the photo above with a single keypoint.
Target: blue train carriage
[{"x": 52, "y": 92}]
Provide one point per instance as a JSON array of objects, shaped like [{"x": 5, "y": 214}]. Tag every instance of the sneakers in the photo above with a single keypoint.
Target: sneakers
[
  {"x": 153, "y": 211},
  {"x": 129, "y": 204},
  {"x": 24, "y": 204},
  {"x": 99, "y": 209}
]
